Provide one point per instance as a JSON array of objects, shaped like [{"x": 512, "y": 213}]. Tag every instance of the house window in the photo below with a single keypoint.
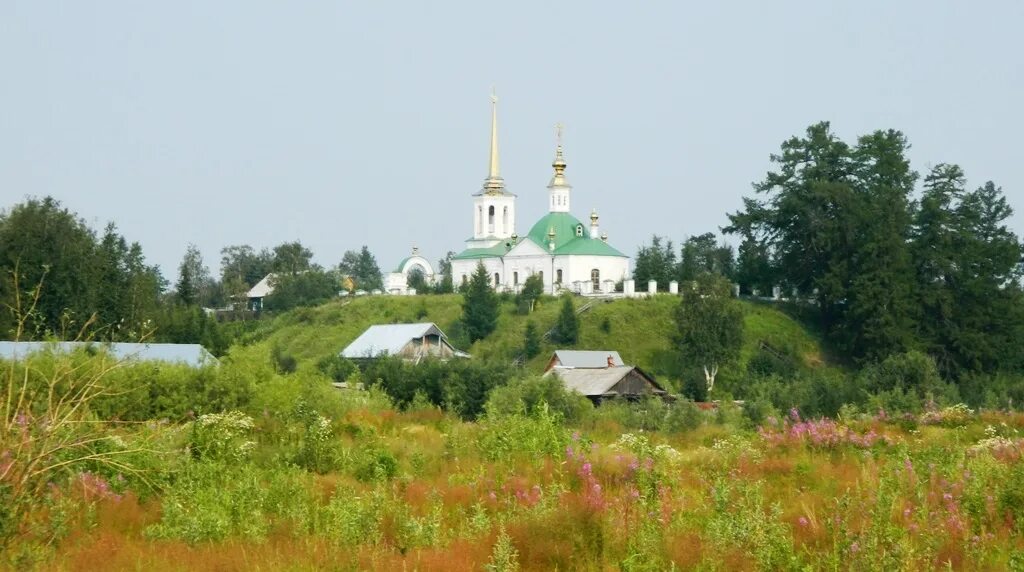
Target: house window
[
  {"x": 496, "y": 280},
  {"x": 595, "y": 277},
  {"x": 579, "y": 230},
  {"x": 558, "y": 276},
  {"x": 515, "y": 278}
]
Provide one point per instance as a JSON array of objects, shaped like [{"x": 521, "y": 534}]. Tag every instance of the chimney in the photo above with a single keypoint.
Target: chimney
[{"x": 611, "y": 361}]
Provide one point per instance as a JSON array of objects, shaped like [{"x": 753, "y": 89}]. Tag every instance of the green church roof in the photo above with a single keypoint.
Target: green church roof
[
  {"x": 566, "y": 239},
  {"x": 489, "y": 252}
]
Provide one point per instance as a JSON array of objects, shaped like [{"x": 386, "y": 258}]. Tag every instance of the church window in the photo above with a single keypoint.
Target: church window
[
  {"x": 496, "y": 280},
  {"x": 464, "y": 280},
  {"x": 558, "y": 276},
  {"x": 579, "y": 230},
  {"x": 515, "y": 278},
  {"x": 541, "y": 274},
  {"x": 479, "y": 220},
  {"x": 504, "y": 220},
  {"x": 490, "y": 219},
  {"x": 595, "y": 277}
]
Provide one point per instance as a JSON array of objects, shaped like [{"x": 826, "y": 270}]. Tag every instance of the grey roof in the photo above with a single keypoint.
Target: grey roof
[
  {"x": 388, "y": 339},
  {"x": 587, "y": 359},
  {"x": 591, "y": 381},
  {"x": 264, "y": 287},
  {"x": 189, "y": 354}
]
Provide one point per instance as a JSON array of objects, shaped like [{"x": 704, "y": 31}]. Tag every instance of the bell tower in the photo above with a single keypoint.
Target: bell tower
[{"x": 494, "y": 208}]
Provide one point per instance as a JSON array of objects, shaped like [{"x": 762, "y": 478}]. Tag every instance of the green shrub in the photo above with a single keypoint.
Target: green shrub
[
  {"x": 504, "y": 437},
  {"x": 336, "y": 368},
  {"x": 522, "y": 396}
]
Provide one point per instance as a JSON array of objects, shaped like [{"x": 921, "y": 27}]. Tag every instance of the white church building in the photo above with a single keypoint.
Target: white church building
[{"x": 565, "y": 252}]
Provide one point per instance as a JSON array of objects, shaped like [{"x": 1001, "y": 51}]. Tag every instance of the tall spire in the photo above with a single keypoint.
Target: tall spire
[{"x": 494, "y": 183}]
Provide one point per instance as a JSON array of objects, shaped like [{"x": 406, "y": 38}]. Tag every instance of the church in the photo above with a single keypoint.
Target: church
[{"x": 564, "y": 252}]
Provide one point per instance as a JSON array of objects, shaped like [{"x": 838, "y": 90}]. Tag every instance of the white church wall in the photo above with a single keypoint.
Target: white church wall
[{"x": 609, "y": 267}]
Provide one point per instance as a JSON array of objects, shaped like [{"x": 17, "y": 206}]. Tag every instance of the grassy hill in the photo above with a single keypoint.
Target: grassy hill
[{"x": 640, "y": 330}]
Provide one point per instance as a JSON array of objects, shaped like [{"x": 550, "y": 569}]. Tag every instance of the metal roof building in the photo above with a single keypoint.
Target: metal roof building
[
  {"x": 599, "y": 384},
  {"x": 194, "y": 355},
  {"x": 410, "y": 341}
]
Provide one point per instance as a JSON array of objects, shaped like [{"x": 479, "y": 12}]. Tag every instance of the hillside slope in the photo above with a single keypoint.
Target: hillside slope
[{"x": 640, "y": 330}]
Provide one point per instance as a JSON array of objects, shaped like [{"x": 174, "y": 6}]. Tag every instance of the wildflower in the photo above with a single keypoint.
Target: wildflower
[
  {"x": 854, "y": 548},
  {"x": 575, "y": 435},
  {"x": 803, "y": 521}
]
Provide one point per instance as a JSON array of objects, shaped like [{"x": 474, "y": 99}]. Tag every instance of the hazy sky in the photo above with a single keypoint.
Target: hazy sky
[{"x": 341, "y": 124}]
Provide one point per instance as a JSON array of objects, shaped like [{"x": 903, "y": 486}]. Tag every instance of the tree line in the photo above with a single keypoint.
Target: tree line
[{"x": 61, "y": 279}]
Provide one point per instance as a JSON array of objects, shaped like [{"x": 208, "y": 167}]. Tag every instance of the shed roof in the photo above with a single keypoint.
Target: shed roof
[
  {"x": 189, "y": 354},
  {"x": 587, "y": 358},
  {"x": 388, "y": 339},
  {"x": 262, "y": 288},
  {"x": 593, "y": 382}
]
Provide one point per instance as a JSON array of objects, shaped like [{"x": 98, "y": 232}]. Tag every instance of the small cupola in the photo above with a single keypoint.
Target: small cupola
[{"x": 559, "y": 188}]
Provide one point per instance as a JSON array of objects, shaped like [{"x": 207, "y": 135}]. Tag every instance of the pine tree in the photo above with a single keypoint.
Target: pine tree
[
  {"x": 479, "y": 306},
  {"x": 190, "y": 277},
  {"x": 878, "y": 318},
  {"x": 531, "y": 340},
  {"x": 567, "y": 329}
]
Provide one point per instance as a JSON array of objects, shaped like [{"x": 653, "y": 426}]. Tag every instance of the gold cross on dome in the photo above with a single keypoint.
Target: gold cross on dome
[{"x": 558, "y": 133}]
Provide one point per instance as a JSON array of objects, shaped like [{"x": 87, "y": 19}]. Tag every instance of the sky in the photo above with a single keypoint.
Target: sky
[{"x": 340, "y": 124}]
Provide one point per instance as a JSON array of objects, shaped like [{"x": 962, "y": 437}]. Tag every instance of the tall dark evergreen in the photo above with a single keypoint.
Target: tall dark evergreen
[
  {"x": 754, "y": 271},
  {"x": 805, "y": 218},
  {"x": 968, "y": 266},
  {"x": 479, "y": 306},
  {"x": 531, "y": 340},
  {"x": 191, "y": 276},
  {"x": 567, "y": 329},
  {"x": 878, "y": 315}
]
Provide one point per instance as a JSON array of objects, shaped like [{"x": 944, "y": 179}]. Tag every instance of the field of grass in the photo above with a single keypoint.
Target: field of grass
[
  {"x": 640, "y": 330},
  {"x": 419, "y": 490}
]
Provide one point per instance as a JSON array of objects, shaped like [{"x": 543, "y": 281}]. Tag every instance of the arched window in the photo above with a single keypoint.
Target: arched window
[
  {"x": 541, "y": 274},
  {"x": 497, "y": 280},
  {"x": 595, "y": 277},
  {"x": 515, "y": 278},
  {"x": 490, "y": 219},
  {"x": 558, "y": 276},
  {"x": 464, "y": 279},
  {"x": 579, "y": 230},
  {"x": 504, "y": 220}
]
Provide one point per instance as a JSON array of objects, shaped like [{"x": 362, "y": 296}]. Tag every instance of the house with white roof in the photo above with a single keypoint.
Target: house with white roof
[
  {"x": 411, "y": 342},
  {"x": 193, "y": 355}
]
